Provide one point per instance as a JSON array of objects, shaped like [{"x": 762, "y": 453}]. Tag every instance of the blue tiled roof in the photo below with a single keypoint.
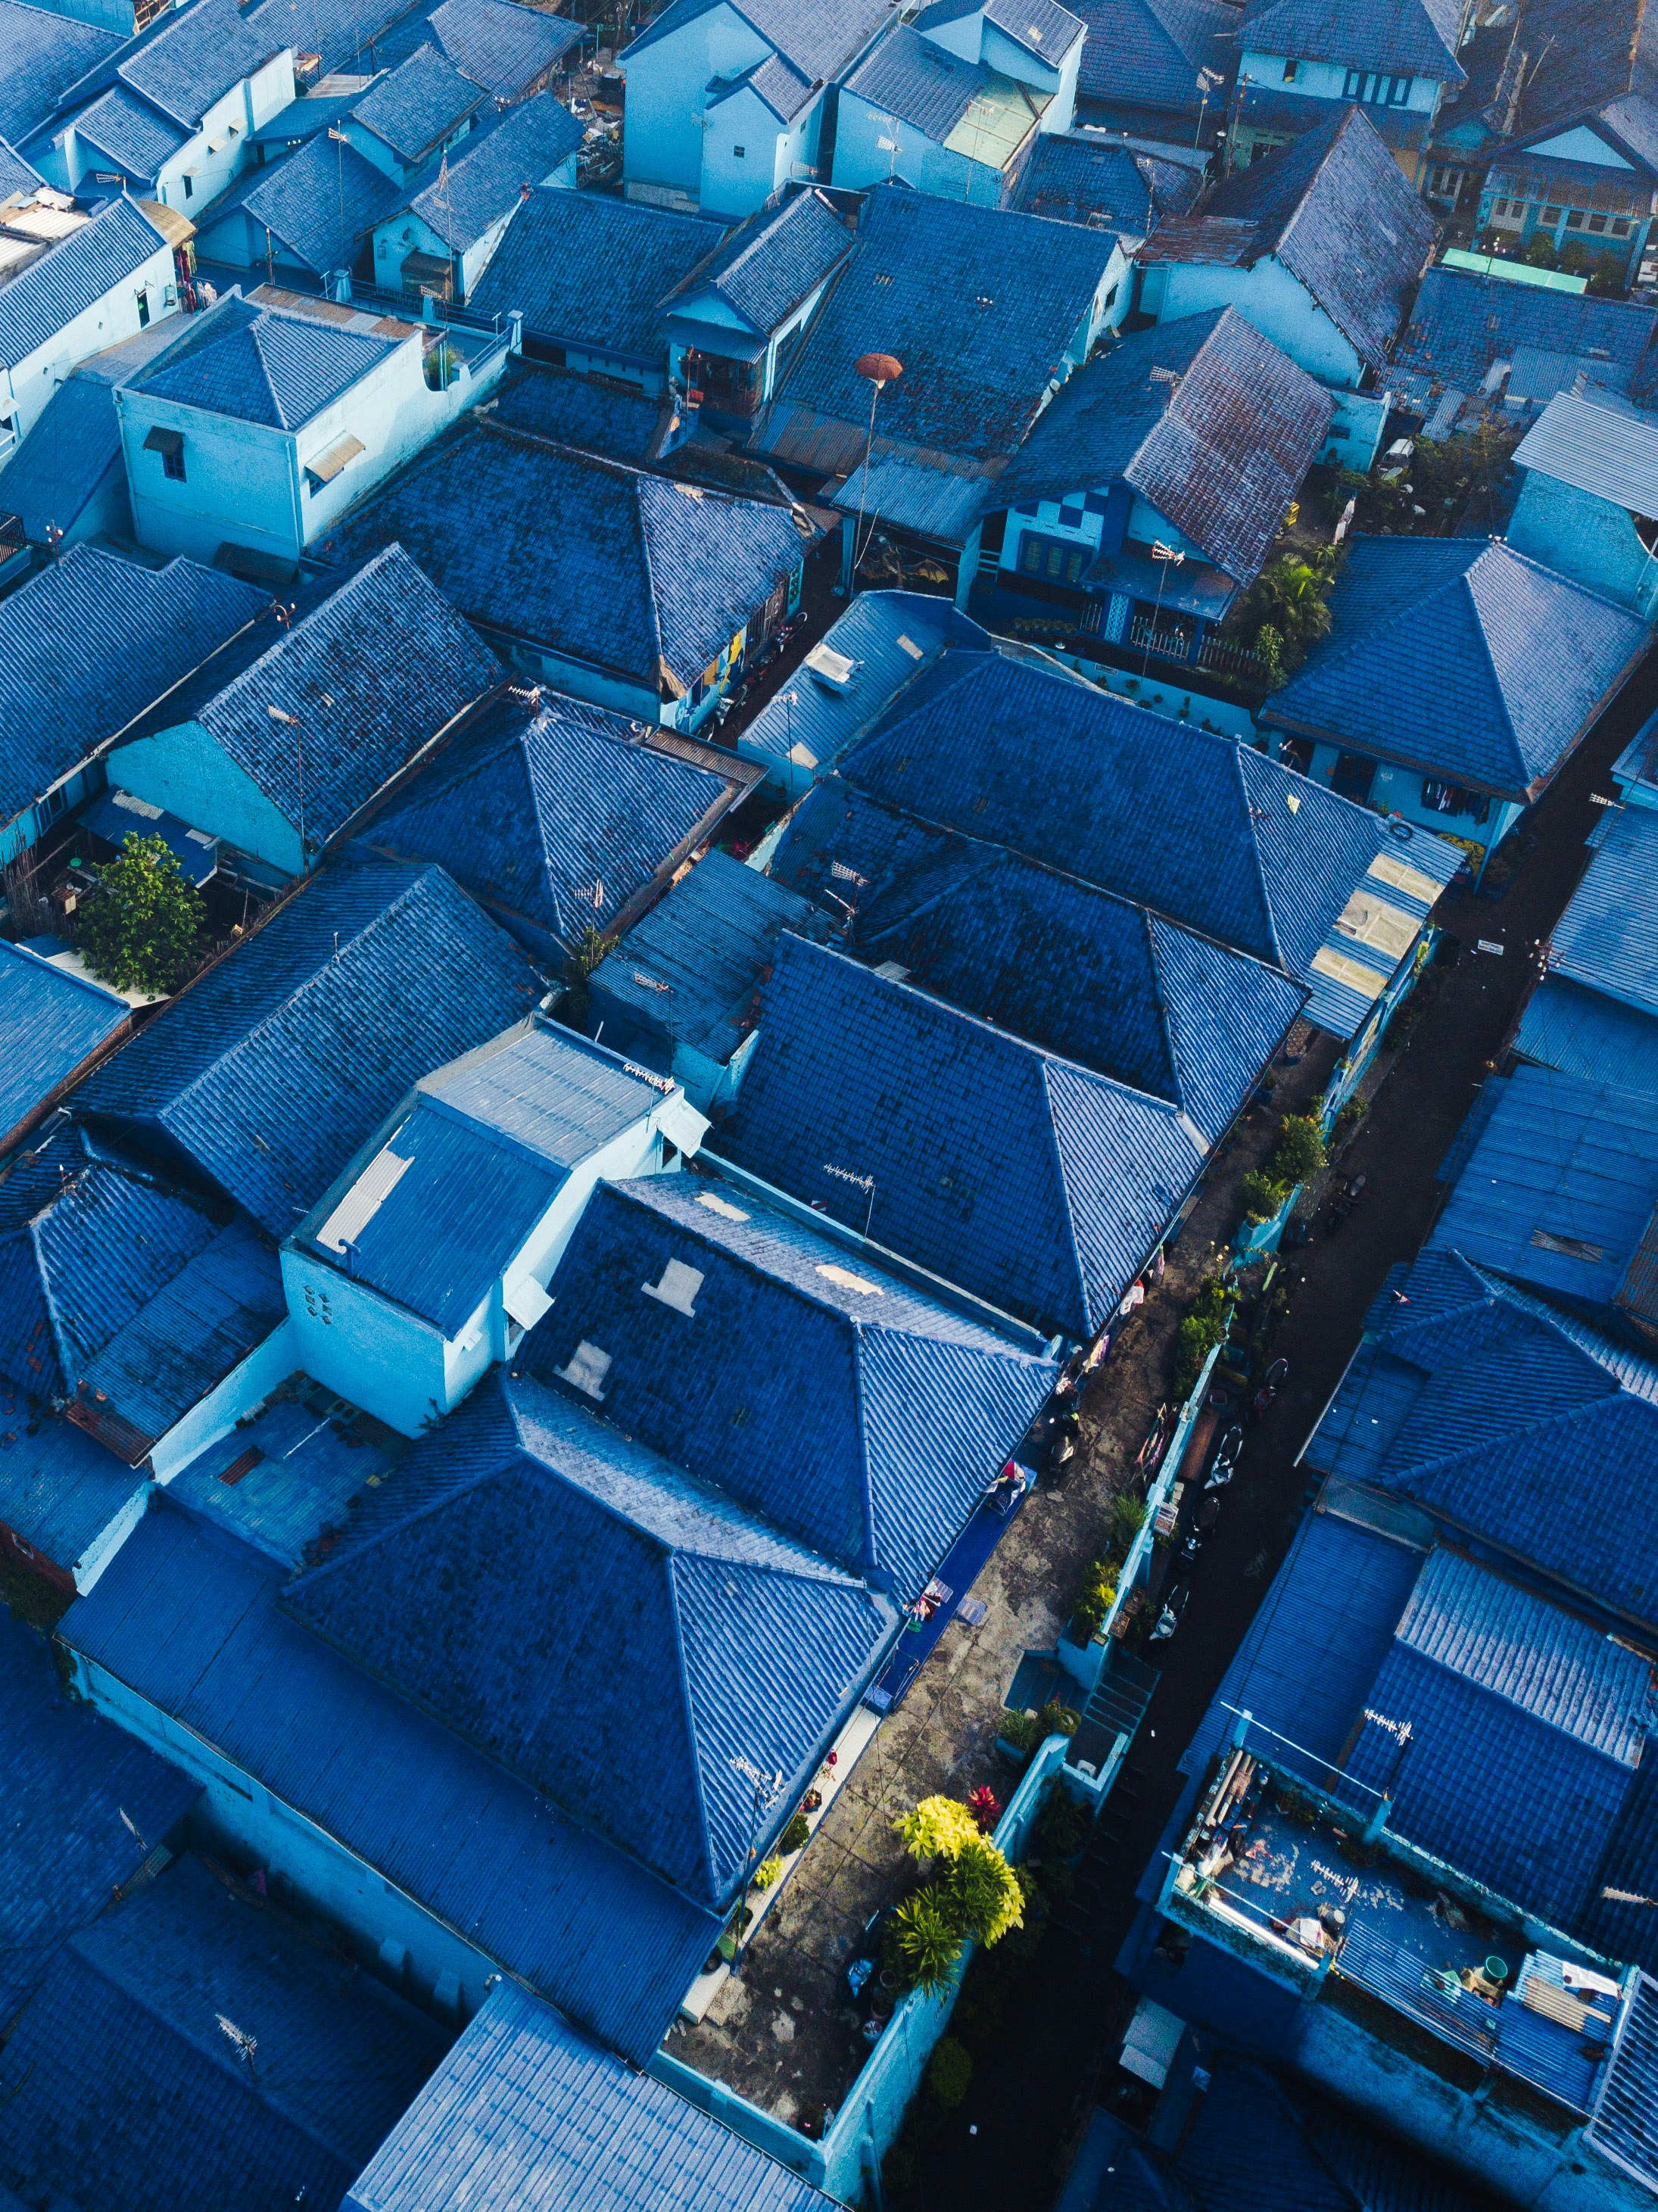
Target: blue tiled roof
[
  {"x": 1462, "y": 657},
  {"x": 818, "y": 42},
  {"x": 524, "y": 2111},
  {"x": 624, "y": 572},
  {"x": 122, "y": 2084},
  {"x": 270, "y": 1070},
  {"x": 505, "y": 47},
  {"x": 1067, "y": 967},
  {"x": 258, "y": 365},
  {"x": 1607, "y": 938},
  {"x": 191, "y": 56},
  {"x": 1069, "y": 178},
  {"x": 68, "y": 1778},
  {"x": 1558, "y": 1187},
  {"x": 1462, "y": 323},
  {"x": 1583, "y": 1033},
  {"x": 765, "y": 270},
  {"x": 189, "y": 1620},
  {"x": 73, "y": 276},
  {"x": 556, "y": 815},
  {"x": 320, "y": 205},
  {"x": 50, "y": 1021},
  {"x": 1193, "y": 825},
  {"x": 978, "y": 303},
  {"x": 484, "y": 181},
  {"x": 687, "y": 973},
  {"x": 137, "y": 140},
  {"x": 545, "y": 267},
  {"x": 573, "y": 410},
  {"x": 42, "y": 54},
  {"x": 411, "y": 107},
  {"x": 1508, "y": 1700},
  {"x": 1049, "y": 1222},
  {"x": 554, "y": 1592},
  {"x": 343, "y": 33},
  {"x": 1336, "y": 210},
  {"x": 88, "y": 643},
  {"x": 15, "y": 174},
  {"x": 371, "y": 677},
  {"x": 1221, "y": 454},
  {"x": 1419, "y": 35},
  {"x": 1147, "y": 53},
  {"x": 884, "y": 1414},
  {"x": 1520, "y": 1427},
  {"x": 283, "y": 1478},
  {"x": 921, "y": 83},
  {"x": 485, "y": 1152}
]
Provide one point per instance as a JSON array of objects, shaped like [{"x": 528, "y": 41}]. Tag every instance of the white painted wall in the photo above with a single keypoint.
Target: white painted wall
[
  {"x": 1277, "y": 304},
  {"x": 29, "y": 384}
]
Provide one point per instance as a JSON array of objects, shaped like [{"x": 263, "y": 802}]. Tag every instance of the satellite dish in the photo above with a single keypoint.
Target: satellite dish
[{"x": 881, "y": 368}]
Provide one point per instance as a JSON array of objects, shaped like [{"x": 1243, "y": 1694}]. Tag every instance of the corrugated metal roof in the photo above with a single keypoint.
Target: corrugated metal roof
[
  {"x": 1560, "y": 1186},
  {"x": 1584, "y": 1034},
  {"x": 282, "y": 1479},
  {"x": 256, "y": 364},
  {"x": 190, "y": 1622},
  {"x": 123, "y": 2081},
  {"x": 530, "y": 2113},
  {"x": 553, "y": 1592},
  {"x": 1624, "y": 2126},
  {"x": 885, "y": 1417},
  {"x": 543, "y": 268},
  {"x": 1050, "y": 1221},
  {"x": 70, "y": 1776},
  {"x": 270, "y": 1070},
  {"x": 44, "y": 297},
  {"x": 910, "y": 493},
  {"x": 1610, "y": 451},
  {"x": 1607, "y": 938},
  {"x": 50, "y": 1022}
]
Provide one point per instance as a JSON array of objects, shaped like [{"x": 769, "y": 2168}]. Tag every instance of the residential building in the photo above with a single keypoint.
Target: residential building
[
  {"x": 1320, "y": 245},
  {"x": 1589, "y": 482},
  {"x": 307, "y": 217},
  {"x": 1158, "y": 69},
  {"x": 561, "y": 819},
  {"x": 726, "y": 104},
  {"x": 278, "y": 759},
  {"x": 412, "y": 115},
  {"x": 1297, "y": 61},
  {"x": 1531, "y": 657},
  {"x": 439, "y": 245},
  {"x": 525, "y": 2105},
  {"x": 328, "y": 36},
  {"x": 1594, "y": 1014},
  {"x": 620, "y": 422},
  {"x": 511, "y": 50},
  {"x": 127, "y": 2083},
  {"x": 544, "y": 272},
  {"x": 428, "y": 1256},
  {"x": 1151, "y": 490},
  {"x": 734, "y": 318},
  {"x": 1083, "y": 176},
  {"x": 989, "y": 312},
  {"x": 252, "y": 437},
  {"x": 54, "y": 1024},
  {"x": 633, "y": 591},
  {"x": 953, "y": 102},
  {"x": 238, "y": 1081},
  {"x": 86, "y": 646},
  {"x": 679, "y": 992},
  {"x": 169, "y": 116},
  {"x": 1470, "y": 336},
  {"x": 42, "y": 54},
  {"x": 70, "y": 285}
]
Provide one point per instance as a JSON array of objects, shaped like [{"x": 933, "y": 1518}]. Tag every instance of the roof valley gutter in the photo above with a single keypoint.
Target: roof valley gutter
[{"x": 455, "y": 727}]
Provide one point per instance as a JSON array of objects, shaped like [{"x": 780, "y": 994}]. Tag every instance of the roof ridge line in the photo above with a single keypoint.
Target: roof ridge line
[
  {"x": 1241, "y": 772},
  {"x": 1462, "y": 581},
  {"x": 1078, "y": 1272},
  {"x": 693, "y": 1737},
  {"x": 866, "y": 1487}
]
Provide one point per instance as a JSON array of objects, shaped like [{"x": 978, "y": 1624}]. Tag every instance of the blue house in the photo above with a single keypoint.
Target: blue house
[
  {"x": 43, "y": 54},
  {"x": 1285, "y": 870},
  {"x": 278, "y": 758},
  {"x": 1144, "y": 66},
  {"x": 511, "y": 50},
  {"x": 1457, "y": 677},
  {"x": 544, "y": 271},
  {"x": 899, "y": 1404},
  {"x": 637, "y": 592},
  {"x": 680, "y": 991},
  {"x": 989, "y": 312},
  {"x": 1152, "y": 488},
  {"x": 429, "y": 1254},
  {"x": 1588, "y": 472},
  {"x": 85, "y": 647},
  {"x": 1470, "y": 335},
  {"x": 1299, "y": 59},
  {"x": 727, "y": 104},
  {"x": 55, "y": 1023},
  {"x": 1083, "y": 176},
  {"x": 559, "y": 818},
  {"x": 869, "y": 1099},
  {"x": 525, "y": 2108},
  {"x": 412, "y": 115},
  {"x": 241, "y": 1080},
  {"x": 307, "y": 215},
  {"x": 1072, "y": 968},
  {"x": 1594, "y": 1014},
  {"x": 196, "y": 2047},
  {"x": 88, "y": 1805},
  {"x": 1321, "y": 245}
]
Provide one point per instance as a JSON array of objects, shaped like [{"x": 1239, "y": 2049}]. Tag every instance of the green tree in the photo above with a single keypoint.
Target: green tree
[
  {"x": 1284, "y": 612},
  {"x": 142, "y": 926},
  {"x": 924, "y": 1938}
]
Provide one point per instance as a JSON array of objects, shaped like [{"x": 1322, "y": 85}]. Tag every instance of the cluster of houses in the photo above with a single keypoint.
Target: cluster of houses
[{"x": 506, "y": 1369}]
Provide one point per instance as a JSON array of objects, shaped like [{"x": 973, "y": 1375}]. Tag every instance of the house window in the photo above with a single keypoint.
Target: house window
[
  {"x": 1400, "y": 92},
  {"x": 1597, "y": 223},
  {"x": 1620, "y": 226},
  {"x": 144, "y": 311},
  {"x": 1052, "y": 559},
  {"x": 1575, "y": 220},
  {"x": 1354, "y": 88},
  {"x": 739, "y": 153},
  {"x": 1289, "y": 69},
  {"x": 190, "y": 187},
  {"x": 1440, "y": 798},
  {"x": 1550, "y": 215},
  {"x": 172, "y": 464}
]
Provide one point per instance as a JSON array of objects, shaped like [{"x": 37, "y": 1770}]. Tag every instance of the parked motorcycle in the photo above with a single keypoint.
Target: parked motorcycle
[
  {"x": 1343, "y": 1205},
  {"x": 1200, "y": 1527},
  {"x": 1272, "y": 1382},
  {"x": 1176, "y": 1601},
  {"x": 1224, "y": 1464}
]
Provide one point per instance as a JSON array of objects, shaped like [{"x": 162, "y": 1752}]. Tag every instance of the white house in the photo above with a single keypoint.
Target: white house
[
  {"x": 253, "y": 437},
  {"x": 725, "y": 105},
  {"x": 72, "y": 285},
  {"x": 430, "y": 1256},
  {"x": 171, "y": 116}
]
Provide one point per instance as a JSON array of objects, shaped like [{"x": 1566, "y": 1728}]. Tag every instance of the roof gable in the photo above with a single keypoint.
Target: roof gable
[
  {"x": 769, "y": 266},
  {"x": 72, "y": 275},
  {"x": 129, "y": 132},
  {"x": 1149, "y": 51},
  {"x": 818, "y": 41},
  {"x": 43, "y": 55},
  {"x": 544, "y": 267},
  {"x": 504, "y": 46},
  {"x": 257, "y": 365},
  {"x": 572, "y": 1589},
  {"x": 320, "y": 203},
  {"x": 410, "y": 107},
  {"x": 1418, "y": 35},
  {"x": 486, "y": 179},
  {"x": 191, "y": 58}
]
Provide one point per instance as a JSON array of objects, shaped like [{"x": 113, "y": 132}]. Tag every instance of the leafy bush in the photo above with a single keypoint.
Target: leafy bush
[
  {"x": 925, "y": 1942},
  {"x": 796, "y": 1836},
  {"x": 1203, "y": 1328},
  {"x": 767, "y": 1872},
  {"x": 1055, "y": 1719},
  {"x": 1262, "y": 1195},
  {"x": 1299, "y": 1152},
  {"x": 1061, "y": 1826},
  {"x": 1128, "y": 1519},
  {"x": 1287, "y": 600},
  {"x": 1347, "y": 1123},
  {"x": 142, "y": 926},
  {"x": 584, "y": 955},
  {"x": 984, "y": 1895},
  {"x": 1095, "y": 1598},
  {"x": 949, "y": 2071},
  {"x": 938, "y": 1828},
  {"x": 1022, "y": 1730}
]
